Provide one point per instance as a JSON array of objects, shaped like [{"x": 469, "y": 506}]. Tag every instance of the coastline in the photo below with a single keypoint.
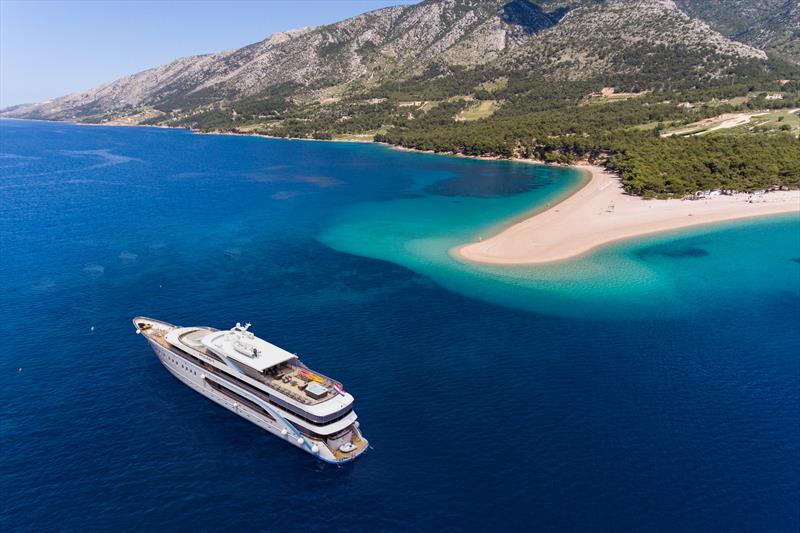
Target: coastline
[
  {"x": 597, "y": 214},
  {"x": 601, "y": 213}
]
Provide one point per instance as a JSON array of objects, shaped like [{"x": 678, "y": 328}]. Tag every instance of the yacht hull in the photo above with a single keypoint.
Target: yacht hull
[{"x": 197, "y": 379}]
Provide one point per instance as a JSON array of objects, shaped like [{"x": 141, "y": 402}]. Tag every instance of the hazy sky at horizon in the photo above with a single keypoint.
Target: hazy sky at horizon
[{"x": 53, "y": 48}]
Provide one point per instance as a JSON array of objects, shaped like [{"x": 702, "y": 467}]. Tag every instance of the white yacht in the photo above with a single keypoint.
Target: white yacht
[{"x": 261, "y": 383}]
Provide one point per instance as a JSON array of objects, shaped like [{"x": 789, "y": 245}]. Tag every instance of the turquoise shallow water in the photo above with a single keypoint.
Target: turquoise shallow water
[
  {"x": 666, "y": 273},
  {"x": 652, "y": 386}
]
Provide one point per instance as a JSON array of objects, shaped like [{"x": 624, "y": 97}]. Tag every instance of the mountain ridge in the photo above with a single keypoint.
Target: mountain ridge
[{"x": 394, "y": 43}]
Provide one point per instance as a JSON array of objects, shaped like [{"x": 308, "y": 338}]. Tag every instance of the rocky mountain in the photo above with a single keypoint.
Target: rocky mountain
[
  {"x": 772, "y": 25},
  {"x": 629, "y": 37},
  {"x": 394, "y": 41},
  {"x": 560, "y": 39}
]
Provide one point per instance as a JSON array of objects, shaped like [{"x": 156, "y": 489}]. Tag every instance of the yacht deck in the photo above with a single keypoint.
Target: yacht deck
[
  {"x": 194, "y": 340},
  {"x": 155, "y": 334},
  {"x": 359, "y": 447},
  {"x": 288, "y": 379},
  {"x": 293, "y": 380}
]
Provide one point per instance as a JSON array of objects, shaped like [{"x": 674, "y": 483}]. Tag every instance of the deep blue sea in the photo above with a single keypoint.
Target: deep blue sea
[{"x": 653, "y": 385}]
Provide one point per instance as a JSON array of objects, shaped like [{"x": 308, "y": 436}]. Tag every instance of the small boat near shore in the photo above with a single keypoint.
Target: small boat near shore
[{"x": 262, "y": 383}]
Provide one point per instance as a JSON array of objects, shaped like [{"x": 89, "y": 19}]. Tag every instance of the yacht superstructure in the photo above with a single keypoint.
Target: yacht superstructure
[{"x": 261, "y": 383}]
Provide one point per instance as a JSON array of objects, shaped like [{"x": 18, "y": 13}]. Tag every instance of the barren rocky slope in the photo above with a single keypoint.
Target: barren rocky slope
[
  {"x": 772, "y": 25},
  {"x": 561, "y": 38}
]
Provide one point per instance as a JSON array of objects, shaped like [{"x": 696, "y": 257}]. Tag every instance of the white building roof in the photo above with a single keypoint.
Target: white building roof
[{"x": 245, "y": 348}]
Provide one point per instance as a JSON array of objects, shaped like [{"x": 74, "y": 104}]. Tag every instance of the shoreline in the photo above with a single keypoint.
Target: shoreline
[
  {"x": 601, "y": 213},
  {"x": 596, "y": 214}
]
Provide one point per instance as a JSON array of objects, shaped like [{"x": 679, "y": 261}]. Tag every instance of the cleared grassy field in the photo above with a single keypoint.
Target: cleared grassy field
[
  {"x": 708, "y": 125},
  {"x": 477, "y": 111},
  {"x": 608, "y": 97},
  {"x": 427, "y": 106},
  {"x": 357, "y": 137},
  {"x": 777, "y": 120},
  {"x": 259, "y": 126},
  {"x": 495, "y": 85}
]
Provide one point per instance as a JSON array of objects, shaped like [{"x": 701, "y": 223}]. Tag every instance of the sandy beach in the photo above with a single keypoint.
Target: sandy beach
[{"x": 601, "y": 213}]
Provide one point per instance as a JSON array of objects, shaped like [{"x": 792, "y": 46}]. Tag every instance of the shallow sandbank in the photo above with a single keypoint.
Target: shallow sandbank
[{"x": 600, "y": 213}]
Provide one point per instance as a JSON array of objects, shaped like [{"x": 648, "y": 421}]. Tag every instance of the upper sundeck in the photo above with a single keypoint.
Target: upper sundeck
[
  {"x": 317, "y": 394},
  {"x": 243, "y": 347}
]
